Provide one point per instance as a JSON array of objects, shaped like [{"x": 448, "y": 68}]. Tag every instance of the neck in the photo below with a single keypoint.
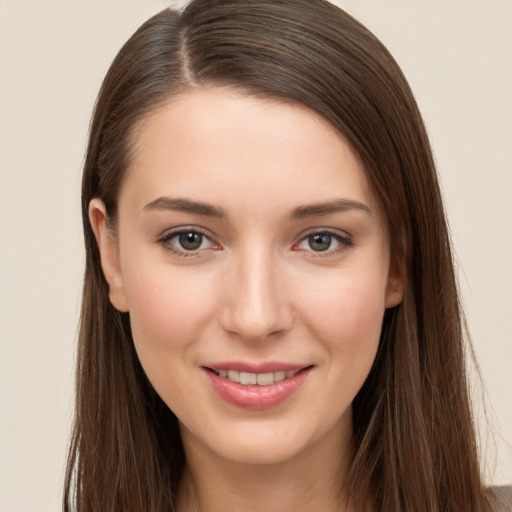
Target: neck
[{"x": 310, "y": 481}]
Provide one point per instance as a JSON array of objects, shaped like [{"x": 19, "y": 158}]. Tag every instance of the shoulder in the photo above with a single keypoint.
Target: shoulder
[{"x": 503, "y": 498}]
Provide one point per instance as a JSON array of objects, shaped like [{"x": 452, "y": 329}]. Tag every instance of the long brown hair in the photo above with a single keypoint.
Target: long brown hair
[{"x": 414, "y": 439}]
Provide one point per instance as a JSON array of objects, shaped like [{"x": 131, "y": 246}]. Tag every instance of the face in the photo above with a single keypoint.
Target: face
[{"x": 255, "y": 266}]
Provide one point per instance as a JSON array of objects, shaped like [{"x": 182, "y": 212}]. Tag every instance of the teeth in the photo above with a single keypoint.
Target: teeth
[
  {"x": 248, "y": 378},
  {"x": 264, "y": 379},
  {"x": 279, "y": 376},
  {"x": 234, "y": 376},
  {"x": 251, "y": 379}
]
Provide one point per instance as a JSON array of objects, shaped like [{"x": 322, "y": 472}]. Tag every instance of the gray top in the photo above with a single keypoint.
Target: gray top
[{"x": 504, "y": 498}]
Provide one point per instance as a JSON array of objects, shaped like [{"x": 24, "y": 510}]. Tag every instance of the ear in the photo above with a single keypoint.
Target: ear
[
  {"x": 395, "y": 284},
  {"x": 109, "y": 254}
]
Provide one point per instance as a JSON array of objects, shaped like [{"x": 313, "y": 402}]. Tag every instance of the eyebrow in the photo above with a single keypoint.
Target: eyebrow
[
  {"x": 334, "y": 206},
  {"x": 208, "y": 210},
  {"x": 186, "y": 205}
]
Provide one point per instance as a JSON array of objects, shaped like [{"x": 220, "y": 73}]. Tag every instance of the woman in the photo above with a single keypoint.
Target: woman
[{"x": 270, "y": 316}]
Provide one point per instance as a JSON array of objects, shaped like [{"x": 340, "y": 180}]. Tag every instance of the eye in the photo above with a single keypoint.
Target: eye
[
  {"x": 186, "y": 241},
  {"x": 324, "y": 241},
  {"x": 190, "y": 240}
]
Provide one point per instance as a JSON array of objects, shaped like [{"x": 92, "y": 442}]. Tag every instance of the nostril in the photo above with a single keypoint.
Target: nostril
[{"x": 254, "y": 305}]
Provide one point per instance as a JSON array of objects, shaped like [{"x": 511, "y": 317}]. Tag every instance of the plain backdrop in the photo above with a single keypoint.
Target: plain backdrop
[{"x": 457, "y": 56}]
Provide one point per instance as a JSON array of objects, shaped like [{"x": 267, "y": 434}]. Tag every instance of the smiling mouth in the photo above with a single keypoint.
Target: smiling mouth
[
  {"x": 273, "y": 384},
  {"x": 255, "y": 379}
]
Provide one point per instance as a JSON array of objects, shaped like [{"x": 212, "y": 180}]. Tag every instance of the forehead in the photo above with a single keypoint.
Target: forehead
[{"x": 220, "y": 146}]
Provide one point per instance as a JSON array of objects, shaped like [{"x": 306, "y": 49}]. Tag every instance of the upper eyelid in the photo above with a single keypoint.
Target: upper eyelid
[
  {"x": 165, "y": 238},
  {"x": 167, "y": 234},
  {"x": 172, "y": 232},
  {"x": 330, "y": 231},
  {"x": 345, "y": 240}
]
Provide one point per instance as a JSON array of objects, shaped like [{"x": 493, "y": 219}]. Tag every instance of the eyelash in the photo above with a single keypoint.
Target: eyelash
[
  {"x": 167, "y": 237},
  {"x": 344, "y": 241}
]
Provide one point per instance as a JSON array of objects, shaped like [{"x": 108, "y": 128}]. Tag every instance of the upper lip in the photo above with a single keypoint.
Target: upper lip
[{"x": 264, "y": 367}]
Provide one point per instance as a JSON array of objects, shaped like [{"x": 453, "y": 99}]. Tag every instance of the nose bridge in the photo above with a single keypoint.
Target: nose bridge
[{"x": 256, "y": 304}]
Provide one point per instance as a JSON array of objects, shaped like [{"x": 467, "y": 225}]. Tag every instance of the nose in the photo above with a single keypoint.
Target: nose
[{"x": 255, "y": 305}]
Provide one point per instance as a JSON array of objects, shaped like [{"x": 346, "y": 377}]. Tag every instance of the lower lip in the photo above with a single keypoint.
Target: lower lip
[{"x": 256, "y": 397}]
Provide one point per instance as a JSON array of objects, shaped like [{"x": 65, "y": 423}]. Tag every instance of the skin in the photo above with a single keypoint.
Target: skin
[{"x": 256, "y": 290}]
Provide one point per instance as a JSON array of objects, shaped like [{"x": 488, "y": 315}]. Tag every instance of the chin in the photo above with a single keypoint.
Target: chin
[
  {"x": 268, "y": 442},
  {"x": 261, "y": 452},
  {"x": 257, "y": 454}
]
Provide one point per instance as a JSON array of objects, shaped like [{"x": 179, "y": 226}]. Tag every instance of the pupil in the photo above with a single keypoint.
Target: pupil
[
  {"x": 191, "y": 241},
  {"x": 320, "y": 242}
]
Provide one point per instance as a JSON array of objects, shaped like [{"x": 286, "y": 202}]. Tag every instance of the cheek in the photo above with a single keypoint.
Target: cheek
[
  {"x": 168, "y": 310},
  {"x": 352, "y": 304},
  {"x": 346, "y": 316}
]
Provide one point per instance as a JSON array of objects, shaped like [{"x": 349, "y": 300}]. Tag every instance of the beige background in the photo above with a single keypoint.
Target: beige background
[{"x": 53, "y": 55}]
